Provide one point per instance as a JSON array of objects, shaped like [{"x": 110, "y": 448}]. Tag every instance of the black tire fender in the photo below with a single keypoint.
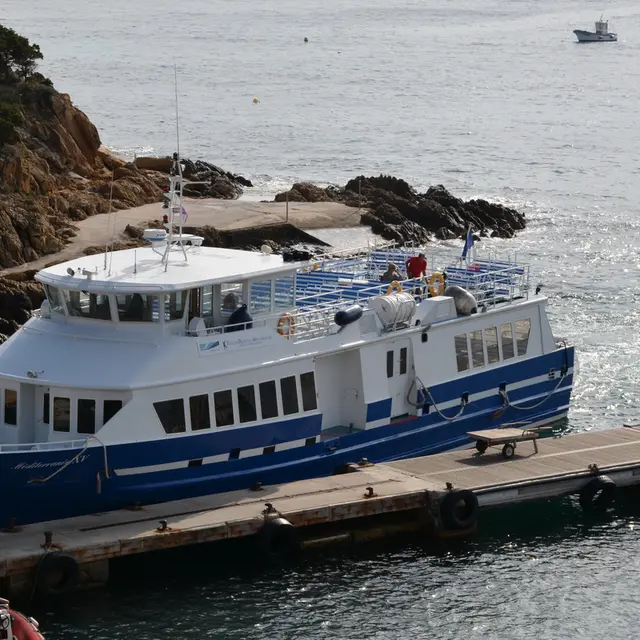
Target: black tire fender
[
  {"x": 57, "y": 575},
  {"x": 598, "y": 493},
  {"x": 459, "y": 509},
  {"x": 278, "y": 540}
]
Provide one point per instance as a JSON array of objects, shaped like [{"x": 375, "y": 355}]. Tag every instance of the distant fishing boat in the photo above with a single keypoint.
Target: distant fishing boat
[{"x": 601, "y": 34}]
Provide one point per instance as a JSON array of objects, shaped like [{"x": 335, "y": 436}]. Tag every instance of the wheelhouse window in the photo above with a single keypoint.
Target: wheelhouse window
[
  {"x": 174, "y": 305},
  {"x": 506, "y": 339},
  {"x": 247, "y": 404},
  {"x": 523, "y": 329},
  {"x": 137, "y": 307},
  {"x": 86, "y": 416},
  {"x": 284, "y": 292},
  {"x": 109, "y": 409},
  {"x": 491, "y": 339},
  {"x": 171, "y": 415},
  {"x": 87, "y": 305},
  {"x": 289, "y": 390},
  {"x": 223, "y": 405},
  {"x": 308, "y": 388},
  {"x": 261, "y": 296},
  {"x": 462, "y": 352},
  {"x": 62, "y": 414},
  {"x": 477, "y": 349},
  {"x": 10, "y": 406},
  {"x": 268, "y": 399},
  {"x": 199, "y": 410},
  {"x": 206, "y": 302},
  {"x": 231, "y": 296},
  {"x": 55, "y": 299}
]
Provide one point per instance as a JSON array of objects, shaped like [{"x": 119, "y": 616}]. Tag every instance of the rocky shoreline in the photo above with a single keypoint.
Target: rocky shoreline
[{"x": 55, "y": 172}]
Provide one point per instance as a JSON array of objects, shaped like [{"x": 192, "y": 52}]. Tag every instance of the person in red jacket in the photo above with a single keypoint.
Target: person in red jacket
[{"x": 416, "y": 266}]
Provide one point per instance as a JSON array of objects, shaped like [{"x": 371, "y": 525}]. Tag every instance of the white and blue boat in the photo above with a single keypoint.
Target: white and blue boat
[{"x": 178, "y": 370}]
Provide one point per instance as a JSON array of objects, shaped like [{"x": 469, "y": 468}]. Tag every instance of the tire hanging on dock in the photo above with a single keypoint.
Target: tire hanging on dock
[
  {"x": 459, "y": 510},
  {"x": 278, "y": 540},
  {"x": 598, "y": 494},
  {"x": 57, "y": 575}
]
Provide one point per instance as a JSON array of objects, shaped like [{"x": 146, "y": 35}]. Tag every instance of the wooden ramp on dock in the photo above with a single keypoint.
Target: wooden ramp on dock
[{"x": 563, "y": 465}]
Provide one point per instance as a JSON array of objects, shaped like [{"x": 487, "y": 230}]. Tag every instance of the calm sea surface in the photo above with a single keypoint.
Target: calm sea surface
[{"x": 492, "y": 98}]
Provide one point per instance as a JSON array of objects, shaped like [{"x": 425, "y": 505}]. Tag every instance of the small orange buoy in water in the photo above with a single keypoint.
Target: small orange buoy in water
[{"x": 255, "y": 101}]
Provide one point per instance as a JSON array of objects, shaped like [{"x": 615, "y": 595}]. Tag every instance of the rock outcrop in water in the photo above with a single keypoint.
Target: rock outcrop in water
[{"x": 394, "y": 210}]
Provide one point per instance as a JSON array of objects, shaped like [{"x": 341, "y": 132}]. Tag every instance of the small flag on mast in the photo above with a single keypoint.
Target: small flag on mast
[{"x": 468, "y": 243}]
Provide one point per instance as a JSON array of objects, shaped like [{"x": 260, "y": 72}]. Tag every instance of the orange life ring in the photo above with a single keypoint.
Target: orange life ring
[
  {"x": 286, "y": 325},
  {"x": 394, "y": 285}
]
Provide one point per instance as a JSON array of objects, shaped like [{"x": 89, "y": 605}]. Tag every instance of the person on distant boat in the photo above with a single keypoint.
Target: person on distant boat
[
  {"x": 390, "y": 274},
  {"x": 416, "y": 266}
]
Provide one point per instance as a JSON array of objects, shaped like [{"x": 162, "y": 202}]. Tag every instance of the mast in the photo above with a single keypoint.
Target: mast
[{"x": 175, "y": 189}]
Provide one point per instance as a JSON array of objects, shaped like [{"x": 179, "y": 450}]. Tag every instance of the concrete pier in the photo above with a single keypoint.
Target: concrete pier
[{"x": 441, "y": 493}]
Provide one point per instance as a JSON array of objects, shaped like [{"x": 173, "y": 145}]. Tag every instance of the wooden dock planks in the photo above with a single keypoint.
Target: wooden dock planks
[{"x": 396, "y": 486}]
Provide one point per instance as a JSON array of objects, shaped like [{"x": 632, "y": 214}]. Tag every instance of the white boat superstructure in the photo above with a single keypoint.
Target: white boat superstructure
[{"x": 175, "y": 370}]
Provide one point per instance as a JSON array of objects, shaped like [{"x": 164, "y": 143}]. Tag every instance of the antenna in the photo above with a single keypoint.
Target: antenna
[
  {"x": 175, "y": 78},
  {"x": 110, "y": 220}
]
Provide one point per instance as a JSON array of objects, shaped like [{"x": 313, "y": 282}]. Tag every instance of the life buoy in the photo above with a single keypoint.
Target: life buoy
[
  {"x": 598, "y": 493},
  {"x": 394, "y": 285},
  {"x": 23, "y": 628},
  {"x": 286, "y": 325},
  {"x": 57, "y": 575},
  {"x": 277, "y": 540},
  {"x": 459, "y": 510},
  {"x": 436, "y": 284}
]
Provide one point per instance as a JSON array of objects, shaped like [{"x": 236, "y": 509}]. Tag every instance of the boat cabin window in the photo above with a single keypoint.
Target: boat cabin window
[
  {"x": 523, "y": 329},
  {"x": 174, "y": 305},
  {"x": 10, "y": 407},
  {"x": 55, "y": 299},
  {"x": 268, "y": 400},
  {"x": 46, "y": 399},
  {"x": 199, "y": 411},
  {"x": 389, "y": 364},
  {"x": 403, "y": 361},
  {"x": 491, "y": 339},
  {"x": 289, "y": 390},
  {"x": 62, "y": 414},
  {"x": 261, "y": 296},
  {"x": 284, "y": 291},
  {"x": 477, "y": 349},
  {"x": 231, "y": 296},
  {"x": 223, "y": 404},
  {"x": 109, "y": 409},
  {"x": 506, "y": 338},
  {"x": 137, "y": 307},
  {"x": 86, "y": 416},
  {"x": 308, "y": 387},
  {"x": 87, "y": 305},
  {"x": 171, "y": 415},
  {"x": 206, "y": 302},
  {"x": 247, "y": 404},
  {"x": 462, "y": 352}
]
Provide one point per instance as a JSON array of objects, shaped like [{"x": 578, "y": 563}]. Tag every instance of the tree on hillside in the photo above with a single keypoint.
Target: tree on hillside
[{"x": 17, "y": 56}]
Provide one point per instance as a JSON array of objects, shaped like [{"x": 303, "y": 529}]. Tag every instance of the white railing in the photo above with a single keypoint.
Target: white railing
[{"x": 43, "y": 446}]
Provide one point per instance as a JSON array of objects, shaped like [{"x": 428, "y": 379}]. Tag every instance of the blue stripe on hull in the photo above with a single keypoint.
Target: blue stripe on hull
[{"x": 76, "y": 490}]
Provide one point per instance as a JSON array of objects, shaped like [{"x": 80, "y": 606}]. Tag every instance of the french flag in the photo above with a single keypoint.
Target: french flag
[{"x": 468, "y": 243}]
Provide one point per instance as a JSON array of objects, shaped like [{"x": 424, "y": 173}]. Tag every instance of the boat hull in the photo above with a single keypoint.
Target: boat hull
[
  {"x": 75, "y": 481},
  {"x": 589, "y": 36}
]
